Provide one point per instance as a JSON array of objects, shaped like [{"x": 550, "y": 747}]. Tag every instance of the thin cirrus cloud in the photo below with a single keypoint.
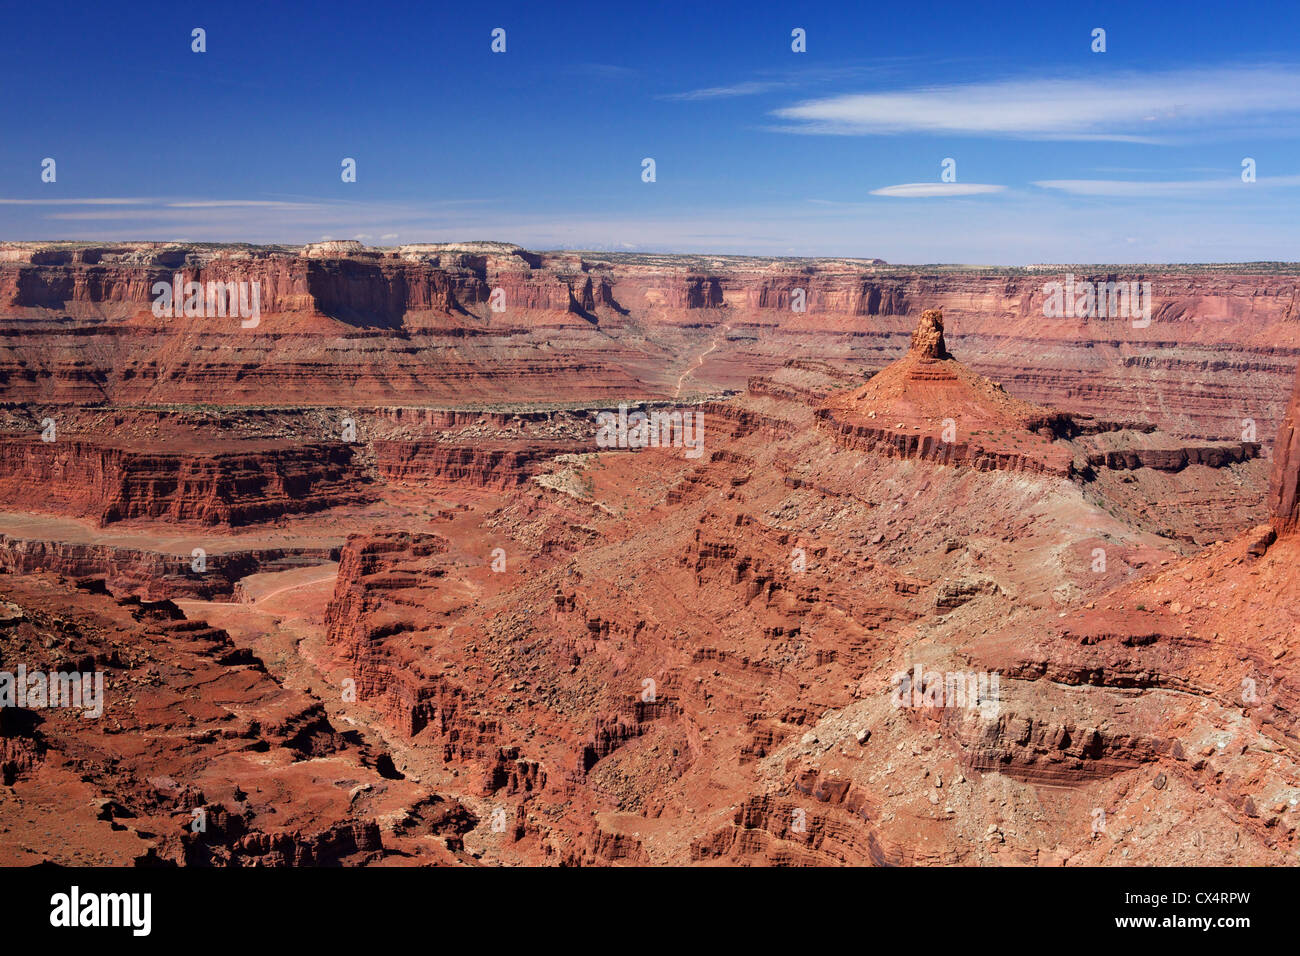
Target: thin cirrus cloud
[
  {"x": 933, "y": 190},
  {"x": 217, "y": 214},
  {"x": 98, "y": 201},
  {"x": 1148, "y": 188},
  {"x": 188, "y": 204},
  {"x": 1121, "y": 107},
  {"x": 223, "y": 203},
  {"x": 748, "y": 88},
  {"x": 608, "y": 71}
]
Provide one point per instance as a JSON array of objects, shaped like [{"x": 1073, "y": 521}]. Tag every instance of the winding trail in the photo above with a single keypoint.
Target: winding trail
[
  {"x": 699, "y": 359},
  {"x": 289, "y": 587}
]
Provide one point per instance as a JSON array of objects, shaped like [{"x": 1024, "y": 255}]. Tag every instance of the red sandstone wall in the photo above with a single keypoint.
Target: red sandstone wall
[
  {"x": 1284, "y": 490},
  {"x": 110, "y": 484}
]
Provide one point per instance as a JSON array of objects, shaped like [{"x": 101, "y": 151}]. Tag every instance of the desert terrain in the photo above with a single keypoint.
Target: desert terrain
[{"x": 949, "y": 582}]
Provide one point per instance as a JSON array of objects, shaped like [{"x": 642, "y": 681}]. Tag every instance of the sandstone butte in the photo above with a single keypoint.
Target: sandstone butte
[{"x": 365, "y": 590}]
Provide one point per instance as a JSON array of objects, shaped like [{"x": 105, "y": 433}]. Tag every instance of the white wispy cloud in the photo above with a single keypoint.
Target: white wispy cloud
[
  {"x": 105, "y": 201},
  {"x": 931, "y": 190},
  {"x": 217, "y": 212},
  {"x": 1126, "y": 107},
  {"x": 221, "y": 203},
  {"x": 748, "y": 88},
  {"x": 604, "y": 70},
  {"x": 162, "y": 203},
  {"x": 1182, "y": 187}
]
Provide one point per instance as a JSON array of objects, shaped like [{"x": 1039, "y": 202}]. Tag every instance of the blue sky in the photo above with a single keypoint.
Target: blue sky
[{"x": 1061, "y": 154}]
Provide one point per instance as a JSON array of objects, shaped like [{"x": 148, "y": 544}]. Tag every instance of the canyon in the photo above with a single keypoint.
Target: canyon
[{"x": 366, "y": 590}]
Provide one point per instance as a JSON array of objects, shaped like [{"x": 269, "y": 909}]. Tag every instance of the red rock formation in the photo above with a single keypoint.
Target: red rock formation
[
  {"x": 151, "y": 574},
  {"x": 477, "y": 465},
  {"x": 1176, "y": 459},
  {"x": 927, "y": 340},
  {"x": 199, "y": 757},
  {"x": 108, "y": 483},
  {"x": 1284, "y": 490},
  {"x": 927, "y": 405}
]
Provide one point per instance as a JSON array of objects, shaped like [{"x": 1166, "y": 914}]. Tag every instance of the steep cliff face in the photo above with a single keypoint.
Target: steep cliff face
[
  {"x": 108, "y": 483},
  {"x": 378, "y": 288},
  {"x": 152, "y": 574},
  {"x": 478, "y": 465},
  {"x": 355, "y": 286},
  {"x": 379, "y": 624},
  {"x": 1284, "y": 489},
  {"x": 843, "y": 295}
]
